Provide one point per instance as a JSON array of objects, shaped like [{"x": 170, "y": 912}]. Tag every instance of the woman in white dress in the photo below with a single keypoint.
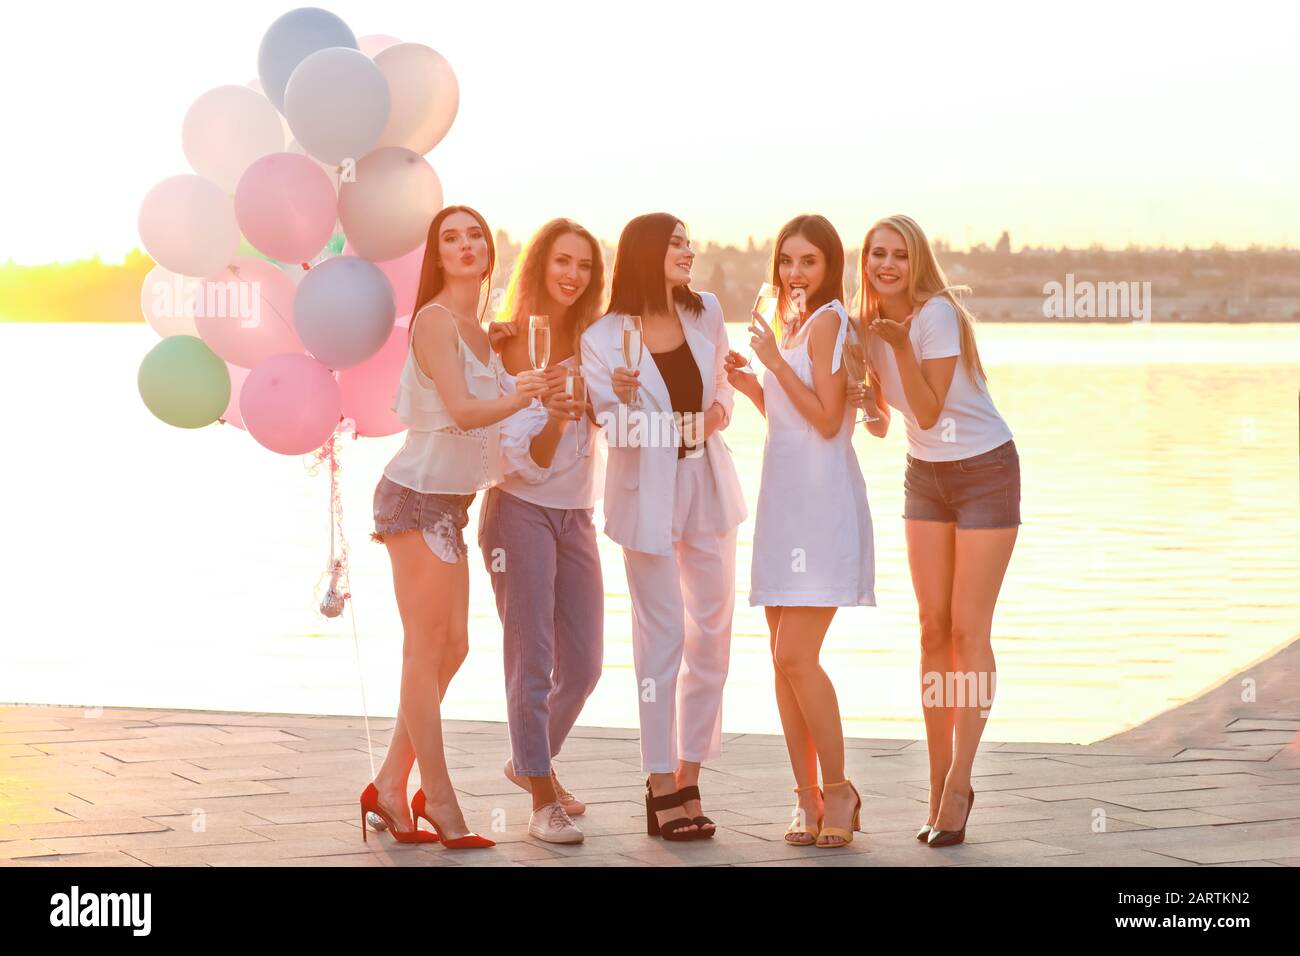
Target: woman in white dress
[{"x": 813, "y": 549}]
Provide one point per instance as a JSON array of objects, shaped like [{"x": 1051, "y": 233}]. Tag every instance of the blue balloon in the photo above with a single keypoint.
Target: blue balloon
[
  {"x": 344, "y": 311},
  {"x": 290, "y": 40}
]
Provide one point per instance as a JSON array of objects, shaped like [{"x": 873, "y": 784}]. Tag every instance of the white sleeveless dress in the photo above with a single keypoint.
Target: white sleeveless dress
[{"x": 813, "y": 544}]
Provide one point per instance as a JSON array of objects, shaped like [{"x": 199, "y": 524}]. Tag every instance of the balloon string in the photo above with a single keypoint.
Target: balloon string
[{"x": 361, "y": 680}]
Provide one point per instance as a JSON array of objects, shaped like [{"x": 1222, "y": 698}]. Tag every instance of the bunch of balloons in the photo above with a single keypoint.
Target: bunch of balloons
[{"x": 264, "y": 324}]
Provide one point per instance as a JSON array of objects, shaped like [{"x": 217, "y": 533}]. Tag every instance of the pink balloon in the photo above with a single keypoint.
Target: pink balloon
[
  {"x": 404, "y": 274},
  {"x": 374, "y": 42},
  {"x": 286, "y": 207},
  {"x": 231, "y": 415},
  {"x": 368, "y": 389},
  {"x": 245, "y": 315},
  {"x": 290, "y": 404}
]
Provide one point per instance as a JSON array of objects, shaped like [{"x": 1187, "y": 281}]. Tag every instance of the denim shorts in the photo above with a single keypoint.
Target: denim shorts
[
  {"x": 982, "y": 491},
  {"x": 442, "y": 518}
]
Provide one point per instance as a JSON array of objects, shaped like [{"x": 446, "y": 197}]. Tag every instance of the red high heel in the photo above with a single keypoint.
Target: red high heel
[
  {"x": 471, "y": 842},
  {"x": 370, "y": 804}
]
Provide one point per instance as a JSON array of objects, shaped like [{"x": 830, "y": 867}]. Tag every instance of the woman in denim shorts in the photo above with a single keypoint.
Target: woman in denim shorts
[
  {"x": 961, "y": 497},
  {"x": 450, "y": 400}
]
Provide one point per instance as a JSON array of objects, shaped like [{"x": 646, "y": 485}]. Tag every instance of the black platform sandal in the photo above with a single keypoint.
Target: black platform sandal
[
  {"x": 675, "y": 829},
  {"x": 693, "y": 793}
]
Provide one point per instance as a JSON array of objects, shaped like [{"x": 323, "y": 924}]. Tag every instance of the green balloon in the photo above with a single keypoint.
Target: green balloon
[
  {"x": 184, "y": 383},
  {"x": 335, "y": 245}
]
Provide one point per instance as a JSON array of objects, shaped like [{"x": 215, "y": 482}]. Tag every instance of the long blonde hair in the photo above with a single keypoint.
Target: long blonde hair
[
  {"x": 925, "y": 280},
  {"x": 528, "y": 279}
]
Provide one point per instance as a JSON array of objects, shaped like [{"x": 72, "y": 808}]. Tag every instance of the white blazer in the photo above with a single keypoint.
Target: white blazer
[{"x": 640, "y": 481}]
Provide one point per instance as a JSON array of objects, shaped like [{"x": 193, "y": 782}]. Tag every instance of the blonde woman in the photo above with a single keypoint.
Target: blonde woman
[
  {"x": 451, "y": 402},
  {"x": 961, "y": 497},
  {"x": 813, "y": 546},
  {"x": 535, "y": 528}
]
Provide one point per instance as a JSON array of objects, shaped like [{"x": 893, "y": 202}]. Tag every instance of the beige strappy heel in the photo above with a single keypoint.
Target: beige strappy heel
[
  {"x": 798, "y": 833},
  {"x": 846, "y": 836}
]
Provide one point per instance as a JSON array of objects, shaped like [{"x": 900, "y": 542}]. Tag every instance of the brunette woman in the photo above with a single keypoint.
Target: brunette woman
[
  {"x": 813, "y": 546},
  {"x": 451, "y": 402},
  {"x": 535, "y": 529},
  {"x": 673, "y": 501}
]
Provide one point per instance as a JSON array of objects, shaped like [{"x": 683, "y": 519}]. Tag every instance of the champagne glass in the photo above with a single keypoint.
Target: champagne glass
[
  {"x": 764, "y": 305},
  {"x": 632, "y": 347},
  {"x": 575, "y": 386},
  {"x": 858, "y": 368},
  {"x": 539, "y": 341}
]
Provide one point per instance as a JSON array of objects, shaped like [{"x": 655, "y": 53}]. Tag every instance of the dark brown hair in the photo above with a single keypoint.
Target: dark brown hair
[{"x": 638, "y": 284}]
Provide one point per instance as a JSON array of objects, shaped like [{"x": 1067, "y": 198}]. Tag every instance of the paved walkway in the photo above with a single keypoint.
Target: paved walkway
[{"x": 1214, "y": 782}]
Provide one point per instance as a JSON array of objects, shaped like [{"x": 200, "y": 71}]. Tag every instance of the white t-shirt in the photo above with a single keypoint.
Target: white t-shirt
[{"x": 969, "y": 424}]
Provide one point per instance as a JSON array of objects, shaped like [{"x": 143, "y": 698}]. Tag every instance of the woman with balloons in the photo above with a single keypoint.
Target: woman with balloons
[{"x": 451, "y": 402}]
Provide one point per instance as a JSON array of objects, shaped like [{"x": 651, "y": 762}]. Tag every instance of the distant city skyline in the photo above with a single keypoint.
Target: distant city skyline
[{"x": 1111, "y": 125}]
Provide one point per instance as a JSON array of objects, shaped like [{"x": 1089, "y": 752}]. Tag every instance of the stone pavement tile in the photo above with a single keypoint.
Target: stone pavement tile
[
  {"x": 1162, "y": 819},
  {"x": 314, "y": 814},
  {"x": 140, "y": 841},
  {"x": 1260, "y": 754},
  {"x": 325, "y": 829},
  {"x": 1114, "y": 857},
  {"x": 197, "y": 774},
  {"x": 266, "y": 853},
  {"x": 17, "y": 849},
  {"x": 1257, "y": 812},
  {"x": 1207, "y": 798},
  {"x": 212, "y": 821},
  {"x": 1252, "y": 850},
  {"x": 69, "y": 826},
  {"x": 602, "y": 859},
  {"x": 1022, "y": 852},
  {"x": 1247, "y": 723},
  {"x": 103, "y": 858},
  {"x": 1287, "y": 861},
  {"x": 1243, "y": 863}
]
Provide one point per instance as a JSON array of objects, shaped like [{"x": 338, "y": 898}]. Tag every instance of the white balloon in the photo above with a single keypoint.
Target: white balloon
[
  {"x": 386, "y": 210},
  {"x": 167, "y": 301},
  {"x": 187, "y": 225},
  {"x": 425, "y": 96},
  {"x": 337, "y": 104},
  {"x": 226, "y": 129}
]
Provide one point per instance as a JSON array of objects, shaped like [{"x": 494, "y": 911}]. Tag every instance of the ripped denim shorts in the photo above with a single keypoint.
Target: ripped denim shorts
[{"x": 442, "y": 518}]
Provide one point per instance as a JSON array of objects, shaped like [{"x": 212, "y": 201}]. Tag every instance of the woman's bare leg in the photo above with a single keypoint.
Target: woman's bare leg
[
  {"x": 982, "y": 556},
  {"x": 930, "y": 550}
]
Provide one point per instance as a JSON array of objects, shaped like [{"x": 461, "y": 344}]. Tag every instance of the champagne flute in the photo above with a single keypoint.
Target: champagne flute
[
  {"x": 858, "y": 368},
  {"x": 764, "y": 305},
  {"x": 575, "y": 386},
  {"x": 539, "y": 341},
  {"x": 632, "y": 347}
]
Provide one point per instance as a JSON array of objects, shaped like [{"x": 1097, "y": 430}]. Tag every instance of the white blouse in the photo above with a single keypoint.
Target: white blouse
[
  {"x": 571, "y": 481},
  {"x": 438, "y": 456}
]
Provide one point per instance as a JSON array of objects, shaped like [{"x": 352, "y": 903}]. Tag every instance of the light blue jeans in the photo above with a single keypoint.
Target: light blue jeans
[{"x": 545, "y": 572}]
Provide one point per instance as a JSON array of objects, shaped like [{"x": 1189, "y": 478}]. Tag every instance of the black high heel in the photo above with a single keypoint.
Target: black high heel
[
  {"x": 693, "y": 793},
  {"x": 676, "y": 828},
  {"x": 950, "y": 837}
]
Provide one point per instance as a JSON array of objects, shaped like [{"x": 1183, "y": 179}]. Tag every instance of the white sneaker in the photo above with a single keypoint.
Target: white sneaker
[
  {"x": 572, "y": 805},
  {"x": 551, "y": 824}
]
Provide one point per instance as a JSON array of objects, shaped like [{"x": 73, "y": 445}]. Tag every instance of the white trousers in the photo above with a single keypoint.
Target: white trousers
[{"x": 681, "y": 629}]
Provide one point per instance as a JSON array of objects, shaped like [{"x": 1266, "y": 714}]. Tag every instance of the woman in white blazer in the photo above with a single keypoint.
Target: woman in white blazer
[{"x": 673, "y": 501}]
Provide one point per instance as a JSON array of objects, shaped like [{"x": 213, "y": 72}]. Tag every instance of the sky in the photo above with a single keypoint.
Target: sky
[{"x": 1065, "y": 124}]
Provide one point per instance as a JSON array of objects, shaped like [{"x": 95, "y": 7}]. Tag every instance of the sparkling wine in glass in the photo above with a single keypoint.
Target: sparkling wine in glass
[
  {"x": 764, "y": 305},
  {"x": 858, "y": 368},
  {"x": 539, "y": 341},
  {"x": 632, "y": 347},
  {"x": 575, "y": 386}
]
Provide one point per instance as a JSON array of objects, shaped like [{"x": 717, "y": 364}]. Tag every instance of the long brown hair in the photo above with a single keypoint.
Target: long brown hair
[
  {"x": 819, "y": 231},
  {"x": 925, "y": 281},
  {"x": 528, "y": 280},
  {"x": 638, "y": 286},
  {"x": 432, "y": 278}
]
